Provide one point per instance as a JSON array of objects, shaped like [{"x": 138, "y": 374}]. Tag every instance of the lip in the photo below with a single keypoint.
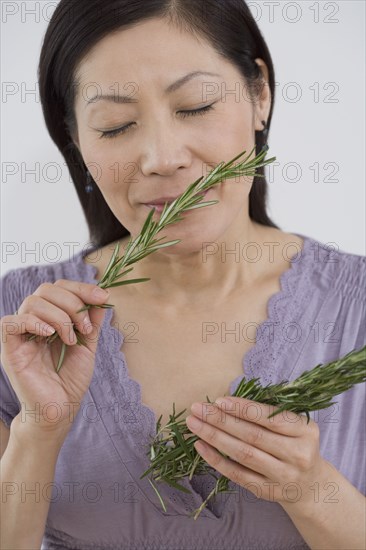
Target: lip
[
  {"x": 159, "y": 203},
  {"x": 161, "y": 200}
]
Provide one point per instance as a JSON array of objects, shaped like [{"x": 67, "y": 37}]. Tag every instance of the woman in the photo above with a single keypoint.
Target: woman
[{"x": 210, "y": 309}]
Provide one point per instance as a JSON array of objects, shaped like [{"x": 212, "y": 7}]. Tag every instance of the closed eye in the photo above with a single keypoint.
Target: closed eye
[{"x": 112, "y": 133}]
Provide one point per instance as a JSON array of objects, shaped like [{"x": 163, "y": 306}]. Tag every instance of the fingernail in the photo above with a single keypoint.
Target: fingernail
[
  {"x": 100, "y": 293},
  {"x": 193, "y": 422},
  {"x": 197, "y": 408}
]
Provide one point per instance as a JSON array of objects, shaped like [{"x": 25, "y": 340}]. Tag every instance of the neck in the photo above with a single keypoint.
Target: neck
[{"x": 210, "y": 274}]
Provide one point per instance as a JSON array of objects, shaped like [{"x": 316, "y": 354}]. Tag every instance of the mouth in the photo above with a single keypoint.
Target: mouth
[{"x": 160, "y": 203}]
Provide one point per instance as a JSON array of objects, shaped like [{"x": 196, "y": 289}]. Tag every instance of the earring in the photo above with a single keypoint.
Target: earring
[
  {"x": 265, "y": 131},
  {"x": 88, "y": 186}
]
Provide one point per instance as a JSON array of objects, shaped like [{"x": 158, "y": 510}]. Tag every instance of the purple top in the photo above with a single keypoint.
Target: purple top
[{"x": 98, "y": 500}]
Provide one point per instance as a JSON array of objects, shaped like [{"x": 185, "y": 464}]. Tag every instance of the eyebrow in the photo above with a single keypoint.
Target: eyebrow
[{"x": 170, "y": 89}]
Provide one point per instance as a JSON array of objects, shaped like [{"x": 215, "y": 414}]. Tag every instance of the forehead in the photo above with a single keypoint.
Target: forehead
[{"x": 152, "y": 49}]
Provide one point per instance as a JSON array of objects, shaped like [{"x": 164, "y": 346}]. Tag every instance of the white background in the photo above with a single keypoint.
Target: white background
[{"x": 319, "y": 118}]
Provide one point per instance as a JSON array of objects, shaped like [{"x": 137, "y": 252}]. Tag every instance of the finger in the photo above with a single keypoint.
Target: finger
[
  {"x": 66, "y": 301},
  {"x": 14, "y": 326},
  {"x": 278, "y": 445},
  {"x": 238, "y": 450},
  {"x": 52, "y": 315},
  {"x": 285, "y": 422},
  {"x": 232, "y": 470},
  {"x": 87, "y": 292},
  {"x": 96, "y": 319},
  {"x": 72, "y": 296}
]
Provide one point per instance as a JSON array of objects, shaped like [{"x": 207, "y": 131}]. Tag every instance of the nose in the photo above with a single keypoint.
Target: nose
[{"x": 163, "y": 149}]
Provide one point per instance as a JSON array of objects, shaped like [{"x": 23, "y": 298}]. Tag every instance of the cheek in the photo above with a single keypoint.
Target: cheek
[
  {"x": 112, "y": 179},
  {"x": 240, "y": 124},
  {"x": 226, "y": 143},
  {"x": 235, "y": 192},
  {"x": 112, "y": 176}
]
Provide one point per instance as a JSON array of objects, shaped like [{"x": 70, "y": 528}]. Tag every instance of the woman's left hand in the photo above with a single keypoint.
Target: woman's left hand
[{"x": 275, "y": 458}]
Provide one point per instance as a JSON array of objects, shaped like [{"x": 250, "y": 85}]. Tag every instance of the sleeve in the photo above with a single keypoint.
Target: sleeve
[
  {"x": 15, "y": 285},
  {"x": 342, "y": 426}
]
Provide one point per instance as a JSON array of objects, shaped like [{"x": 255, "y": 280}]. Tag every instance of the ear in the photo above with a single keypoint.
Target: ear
[{"x": 262, "y": 104}]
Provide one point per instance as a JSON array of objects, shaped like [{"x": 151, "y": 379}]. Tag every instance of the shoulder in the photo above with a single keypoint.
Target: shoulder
[
  {"x": 318, "y": 268},
  {"x": 340, "y": 271},
  {"x": 20, "y": 282}
]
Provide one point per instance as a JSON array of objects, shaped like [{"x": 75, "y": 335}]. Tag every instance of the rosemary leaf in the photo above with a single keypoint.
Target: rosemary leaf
[
  {"x": 175, "y": 457},
  {"x": 129, "y": 281},
  {"x": 145, "y": 243}
]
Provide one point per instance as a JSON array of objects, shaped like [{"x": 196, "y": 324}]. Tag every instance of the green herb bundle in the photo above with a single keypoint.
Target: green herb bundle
[
  {"x": 146, "y": 243},
  {"x": 173, "y": 455}
]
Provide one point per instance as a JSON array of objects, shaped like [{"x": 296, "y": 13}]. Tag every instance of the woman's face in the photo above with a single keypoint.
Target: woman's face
[{"x": 164, "y": 149}]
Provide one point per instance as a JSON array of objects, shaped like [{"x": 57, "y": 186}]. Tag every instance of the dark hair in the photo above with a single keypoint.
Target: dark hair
[{"x": 76, "y": 26}]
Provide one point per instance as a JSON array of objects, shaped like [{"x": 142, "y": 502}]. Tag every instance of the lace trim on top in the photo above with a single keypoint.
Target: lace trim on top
[{"x": 285, "y": 305}]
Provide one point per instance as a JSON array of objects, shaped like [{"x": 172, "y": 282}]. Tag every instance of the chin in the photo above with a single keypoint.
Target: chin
[{"x": 192, "y": 237}]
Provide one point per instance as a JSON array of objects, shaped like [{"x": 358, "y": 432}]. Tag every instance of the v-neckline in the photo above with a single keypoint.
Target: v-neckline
[
  {"x": 272, "y": 315},
  {"x": 112, "y": 339}
]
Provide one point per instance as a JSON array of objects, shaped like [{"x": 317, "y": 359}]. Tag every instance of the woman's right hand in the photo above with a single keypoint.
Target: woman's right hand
[{"x": 31, "y": 365}]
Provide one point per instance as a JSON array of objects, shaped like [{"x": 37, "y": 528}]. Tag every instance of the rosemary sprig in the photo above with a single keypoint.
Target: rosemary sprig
[
  {"x": 173, "y": 455},
  {"x": 146, "y": 243}
]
